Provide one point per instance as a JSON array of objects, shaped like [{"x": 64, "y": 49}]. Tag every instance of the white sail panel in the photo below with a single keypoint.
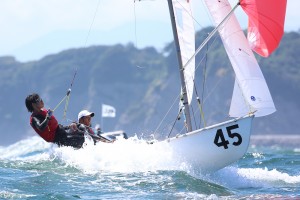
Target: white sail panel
[
  {"x": 186, "y": 37},
  {"x": 250, "y": 82},
  {"x": 238, "y": 105}
]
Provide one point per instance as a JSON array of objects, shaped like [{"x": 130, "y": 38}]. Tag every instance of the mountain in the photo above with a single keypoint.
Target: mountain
[{"x": 142, "y": 84}]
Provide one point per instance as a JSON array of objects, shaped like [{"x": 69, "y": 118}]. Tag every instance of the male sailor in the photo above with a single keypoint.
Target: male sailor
[
  {"x": 85, "y": 121},
  {"x": 85, "y": 124},
  {"x": 45, "y": 124}
]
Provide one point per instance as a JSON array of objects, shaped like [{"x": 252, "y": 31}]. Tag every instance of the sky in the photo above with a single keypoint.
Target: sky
[{"x": 32, "y": 29}]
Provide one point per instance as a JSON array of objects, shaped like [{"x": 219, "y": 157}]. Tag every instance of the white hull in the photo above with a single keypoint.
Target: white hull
[{"x": 199, "y": 148}]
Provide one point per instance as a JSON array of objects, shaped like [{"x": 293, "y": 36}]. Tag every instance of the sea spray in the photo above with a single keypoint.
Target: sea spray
[
  {"x": 24, "y": 148},
  {"x": 131, "y": 155}
]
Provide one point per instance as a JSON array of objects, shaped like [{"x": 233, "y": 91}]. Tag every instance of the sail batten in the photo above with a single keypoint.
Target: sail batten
[{"x": 251, "y": 93}]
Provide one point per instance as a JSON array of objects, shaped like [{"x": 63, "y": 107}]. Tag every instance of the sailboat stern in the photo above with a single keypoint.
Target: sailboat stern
[{"x": 214, "y": 147}]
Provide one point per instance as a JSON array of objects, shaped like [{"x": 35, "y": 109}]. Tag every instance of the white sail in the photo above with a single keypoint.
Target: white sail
[
  {"x": 186, "y": 37},
  {"x": 251, "y": 93}
]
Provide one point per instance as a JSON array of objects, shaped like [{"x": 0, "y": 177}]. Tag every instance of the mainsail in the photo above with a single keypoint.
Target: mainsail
[
  {"x": 251, "y": 93},
  {"x": 186, "y": 37},
  {"x": 266, "y": 24}
]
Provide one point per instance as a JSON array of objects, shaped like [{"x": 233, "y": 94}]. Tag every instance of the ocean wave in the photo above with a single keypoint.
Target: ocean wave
[
  {"x": 129, "y": 156},
  {"x": 234, "y": 177},
  {"x": 16, "y": 194},
  {"x": 270, "y": 176},
  {"x": 126, "y": 165},
  {"x": 24, "y": 148}
]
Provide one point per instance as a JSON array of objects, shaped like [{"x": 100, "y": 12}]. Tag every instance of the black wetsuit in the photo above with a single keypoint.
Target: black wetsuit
[{"x": 63, "y": 134}]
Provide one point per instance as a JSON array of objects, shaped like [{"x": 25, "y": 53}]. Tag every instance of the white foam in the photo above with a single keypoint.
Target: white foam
[
  {"x": 234, "y": 177},
  {"x": 131, "y": 155},
  {"x": 24, "y": 147},
  {"x": 271, "y": 176}
]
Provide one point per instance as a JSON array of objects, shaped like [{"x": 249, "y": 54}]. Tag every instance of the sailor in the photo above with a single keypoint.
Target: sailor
[
  {"x": 45, "y": 124},
  {"x": 85, "y": 121},
  {"x": 85, "y": 124}
]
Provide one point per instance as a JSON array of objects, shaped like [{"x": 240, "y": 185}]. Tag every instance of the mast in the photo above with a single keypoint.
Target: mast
[{"x": 182, "y": 78}]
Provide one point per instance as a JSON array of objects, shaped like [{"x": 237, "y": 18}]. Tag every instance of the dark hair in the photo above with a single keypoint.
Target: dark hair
[{"x": 30, "y": 99}]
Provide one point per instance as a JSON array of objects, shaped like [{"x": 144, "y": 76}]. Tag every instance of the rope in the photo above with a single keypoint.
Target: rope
[
  {"x": 59, "y": 103},
  {"x": 67, "y": 97},
  {"x": 66, "y": 106}
]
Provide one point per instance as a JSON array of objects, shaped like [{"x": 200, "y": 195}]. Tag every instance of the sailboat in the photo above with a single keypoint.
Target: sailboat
[{"x": 214, "y": 147}]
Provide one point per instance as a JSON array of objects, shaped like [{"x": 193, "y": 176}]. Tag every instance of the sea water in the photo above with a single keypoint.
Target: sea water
[{"x": 133, "y": 169}]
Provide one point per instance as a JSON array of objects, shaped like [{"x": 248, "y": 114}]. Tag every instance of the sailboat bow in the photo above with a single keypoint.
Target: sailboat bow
[{"x": 214, "y": 147}]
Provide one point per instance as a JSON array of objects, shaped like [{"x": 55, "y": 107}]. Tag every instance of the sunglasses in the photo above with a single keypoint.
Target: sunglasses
[{"x": 38, "y": 100}]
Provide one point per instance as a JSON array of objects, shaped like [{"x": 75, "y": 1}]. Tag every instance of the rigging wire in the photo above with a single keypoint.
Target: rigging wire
[
  {"x": 178, "y": 116},
  {"x": 189, "y": 12},
  {"x": 194, "y": 19},
  {"x": 197, "y": 97},
  {"x": 205, "y": 68},
  {"x": 67, "y": 96},
  {"x": 200, "y": 105},
  {"x": 203, "y": 98},
  {"x": 92, "y": 23},
  {"x": 212, "y": 33},
  {"x": 161, "y": 121},
  {"x": 192, "y": 108},
  {"x": 135, "y": 23},
  {"x": 203, "y": 86}
]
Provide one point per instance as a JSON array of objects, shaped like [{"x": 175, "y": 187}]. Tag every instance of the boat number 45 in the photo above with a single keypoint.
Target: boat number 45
[{"x": 220, "y": 140}]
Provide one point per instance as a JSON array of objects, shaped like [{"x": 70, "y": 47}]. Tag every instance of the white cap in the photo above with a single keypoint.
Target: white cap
[{"x": 85, "y": 113}]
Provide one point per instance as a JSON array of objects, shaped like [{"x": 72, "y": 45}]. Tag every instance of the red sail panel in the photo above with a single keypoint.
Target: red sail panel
[{"x": 266, "y": 24}]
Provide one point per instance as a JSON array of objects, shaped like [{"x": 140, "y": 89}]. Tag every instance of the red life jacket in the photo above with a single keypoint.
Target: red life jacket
[{"x": 48, "y": 134}]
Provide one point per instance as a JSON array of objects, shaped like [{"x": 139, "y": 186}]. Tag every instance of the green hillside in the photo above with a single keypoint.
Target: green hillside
[{"x": 142, "y": 84}]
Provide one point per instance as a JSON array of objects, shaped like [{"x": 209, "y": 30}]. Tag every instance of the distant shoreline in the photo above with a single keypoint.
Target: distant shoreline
[{"x": 286, "y": 140}]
